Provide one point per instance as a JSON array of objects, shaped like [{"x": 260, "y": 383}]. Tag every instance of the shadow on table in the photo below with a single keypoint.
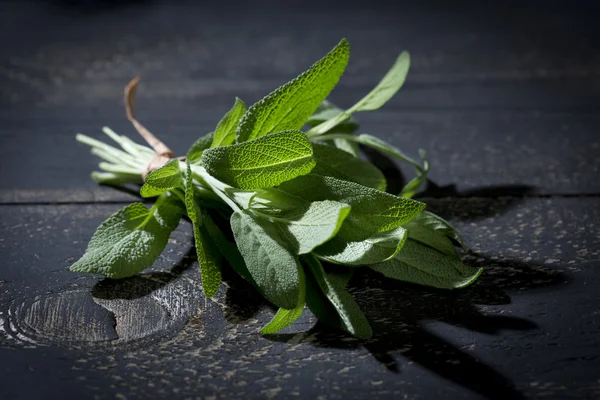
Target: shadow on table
[
  {"x": 139, "y": 286},
  {"x": 400, "y": 313}
]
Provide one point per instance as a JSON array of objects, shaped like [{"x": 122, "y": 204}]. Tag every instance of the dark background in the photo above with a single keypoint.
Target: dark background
[{"x": 504, "y": 98}]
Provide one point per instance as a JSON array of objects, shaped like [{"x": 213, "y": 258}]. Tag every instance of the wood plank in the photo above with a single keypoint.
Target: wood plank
[
  {"x": 517, "y": 153},
  {"x": 513, "y": 334}
]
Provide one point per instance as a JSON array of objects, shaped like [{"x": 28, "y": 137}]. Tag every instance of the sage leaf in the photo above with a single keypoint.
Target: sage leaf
[
  {"x": 308, "y": 225},
  {"x": 340, "y": 164},
  {"x": 372, "y": 211},
  {"x": 288, "y": 107},
  {"x": 333, "y": 288},
  {"x": 161, "y": 180},
  {"x": 194, "y": 154},
  {"x": 437, "y": 224},
  {"x": 327, "y": 111},
  {"x": 424, "y": 234},
  {"x": 228, "y": 249},
  {"x": 386, "y": 88},
  {"x": 263, "y": 162},
  {"x": 284, "y": 317},
  {"x": 272, "y": 265},
  {"x": 130, "y": 240},
  {"x": 225, "y": 131},
  {"x": 208, "y": 256},
  {"x": 418, "y": 263},
  {"x": 375, "y": 249}
]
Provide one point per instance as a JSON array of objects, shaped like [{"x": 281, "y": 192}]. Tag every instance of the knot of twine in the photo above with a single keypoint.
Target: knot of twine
[{"x": 163, "y": 153}]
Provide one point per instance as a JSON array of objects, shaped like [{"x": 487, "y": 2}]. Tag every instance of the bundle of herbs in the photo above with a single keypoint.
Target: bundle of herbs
[{"x": 303, "y": 209}]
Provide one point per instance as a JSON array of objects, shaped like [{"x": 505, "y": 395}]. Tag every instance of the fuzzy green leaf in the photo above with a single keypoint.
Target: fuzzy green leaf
[
  {"x": 437, "y": 224},
  {"x": 372, "y": 211},
  {"x": 272, "y": 265},
  {"x": 386, "y": 88},
  {"x": 342, "y": 165},
  {"x": 289, "y": 106},
  {"x": 208, "y": 255},
  {"x": 131, "y": 239},
  {"x": 424, "y": 234},
  {"x": 263, "y": 162},
  {"x": 375, "y": 249},
  {"x": 194, "y": 154},
  {"x": 225, "y": 131},
  {"x": 418, "y": 263},
  {"x": 327, "y": 111},
  {"x": 161, "y": 180},
  {"x": 285, "y": 317},
  {"x": 228, "y": 249},
  {"x": 326, "y": 290},
  {"x": 307, "y": 225}
]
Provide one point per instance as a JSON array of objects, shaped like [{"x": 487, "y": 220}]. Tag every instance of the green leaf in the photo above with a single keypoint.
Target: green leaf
[
  {"x": 228, "y": 249},
  {"x": 161, "y": 180},
  {"x": 326, "y": 290},
  {"x": 372, "y": 211},
  {"x": 269, "y": 261},
  {"x": 208, "y": 255},
  {"x": 339, "y": 164},
  {"x": 307, "y": 225},
  {"x": 378, "y": 248},
  {"x": 225, "y": 131},
  {"x": 289, "y": 106},
  {"x": 386, "y": 88},
  {"x": 436, "y": 223},
  {"x": 285, "y": 317},
  {"x": 327, "y": 111},
  {"x": 412, "y": 187},
  {"x": 421, "y": 231},
  {"x": 423, "y": 265},
  {"x": 384, "y": 91},
  {"x": 195, "y": 152},
  {"x": 263, "y": 162},
  {"x": 131, "y": 239}
]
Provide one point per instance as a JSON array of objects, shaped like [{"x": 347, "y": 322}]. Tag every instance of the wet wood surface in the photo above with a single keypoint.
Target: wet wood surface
[{"x": 504, "y": 101}]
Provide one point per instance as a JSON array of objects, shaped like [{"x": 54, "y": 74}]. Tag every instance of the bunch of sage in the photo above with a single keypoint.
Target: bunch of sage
[{"x": 303, "y": 208}]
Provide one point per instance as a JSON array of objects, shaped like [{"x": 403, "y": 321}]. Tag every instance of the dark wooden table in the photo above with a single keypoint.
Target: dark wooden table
[{"x": 504, "y": 99}]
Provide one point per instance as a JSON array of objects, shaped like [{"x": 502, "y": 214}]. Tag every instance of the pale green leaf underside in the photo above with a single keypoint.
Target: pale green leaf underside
[
  {"x": 263, "y": 162},
  {"x": 163, "y": 179},
  {"x": 334, "y": 289},
  {"x": 131, "y": 239},
  {"x": 194, "y": 154},
  {"x": 423, "y": 265},
  {"x": 208, "y": 255},
  {"x": 284, "y": 317},
  {"x": 225, "y": 131},
  {"x": 387, "y": 87},
  {"x": 269, "y": 261},
  {"x": 289, "y": 106},
  {"x": 308, "y": 225},
  {"x": 340, "y": 164},
  {"x": 378, "y": 248},
  {"x": 372, "y": 211}
]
